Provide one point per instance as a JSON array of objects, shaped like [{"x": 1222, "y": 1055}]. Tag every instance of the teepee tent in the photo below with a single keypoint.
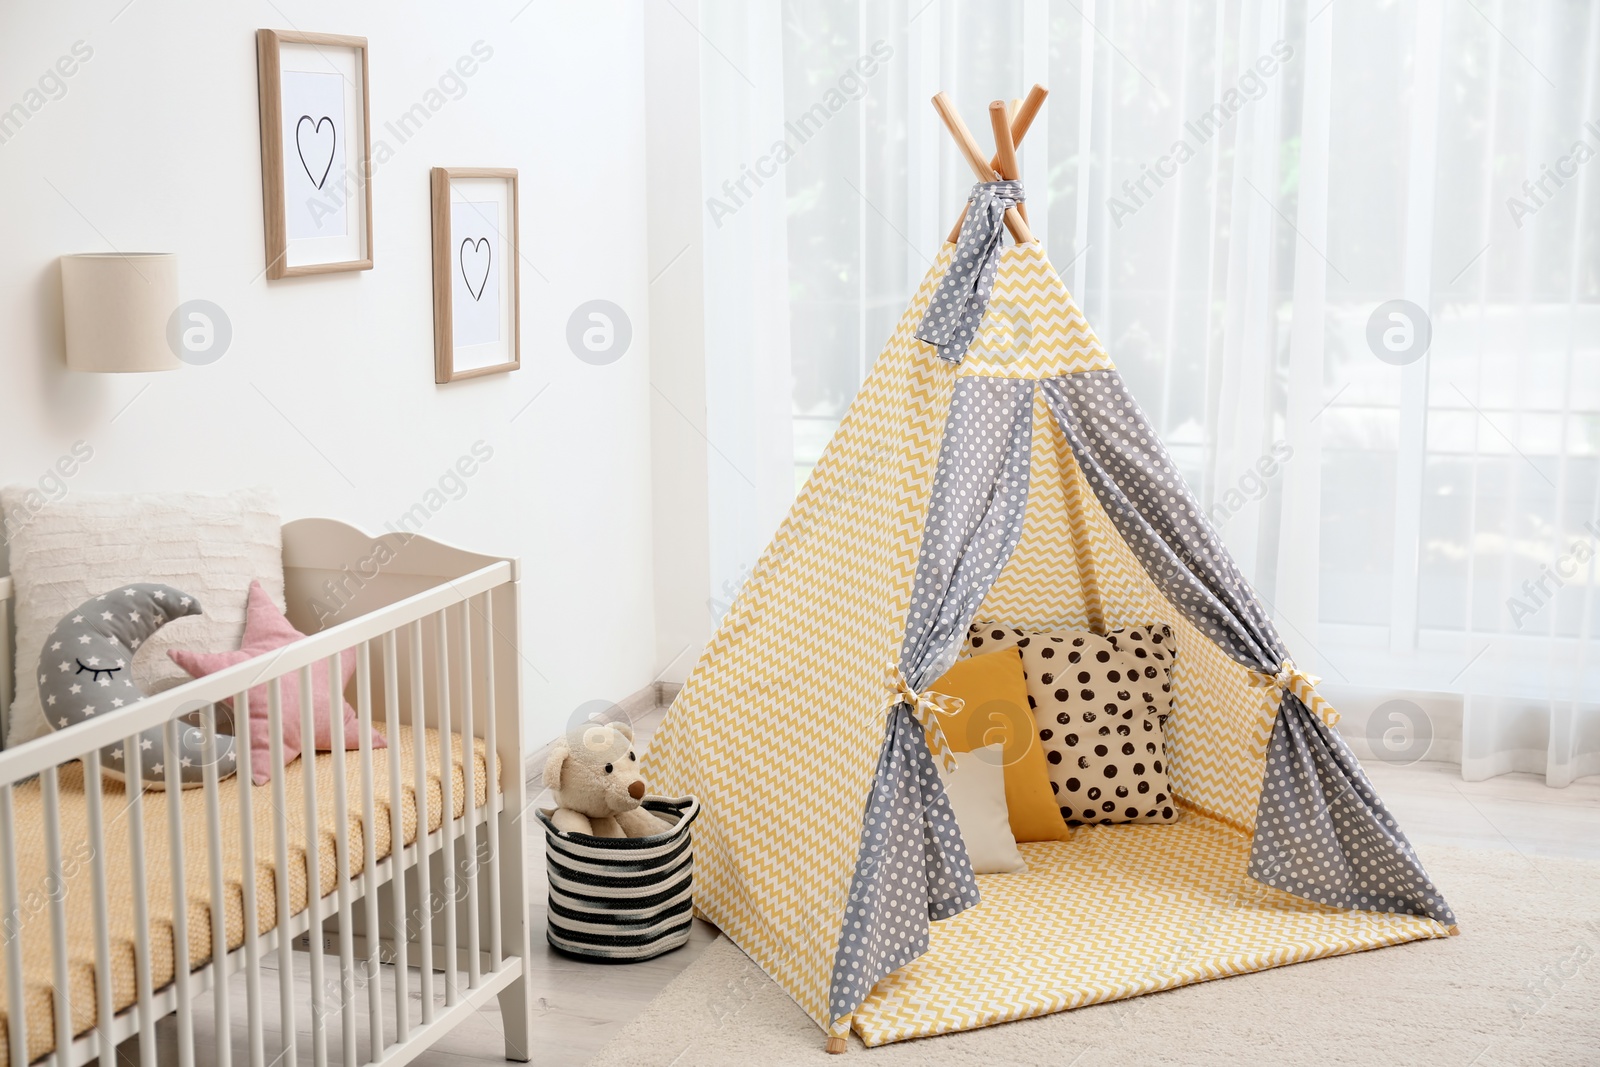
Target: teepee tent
[{"x": 995, "y": 468}]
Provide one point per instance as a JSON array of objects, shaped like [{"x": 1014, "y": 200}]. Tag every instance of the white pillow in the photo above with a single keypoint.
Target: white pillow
[
  {"x": 977, "y": 790},
  {"x": 66, "y": 551}
]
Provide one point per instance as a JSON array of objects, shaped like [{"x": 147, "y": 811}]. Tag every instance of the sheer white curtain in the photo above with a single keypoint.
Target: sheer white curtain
[{"x": 1345, "y": 255}]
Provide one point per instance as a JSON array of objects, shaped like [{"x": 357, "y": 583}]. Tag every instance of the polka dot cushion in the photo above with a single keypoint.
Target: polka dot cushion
[{"x": 1100, "y": 701}]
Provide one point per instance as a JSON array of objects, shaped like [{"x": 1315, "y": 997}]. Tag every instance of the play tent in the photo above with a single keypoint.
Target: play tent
[{"x": 1000, "y": 471}]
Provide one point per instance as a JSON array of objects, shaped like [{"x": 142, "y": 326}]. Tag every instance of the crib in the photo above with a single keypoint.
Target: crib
[{"x": 375, "y": 897}]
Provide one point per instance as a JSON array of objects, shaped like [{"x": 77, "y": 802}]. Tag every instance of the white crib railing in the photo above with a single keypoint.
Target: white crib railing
[{"x": 467, "y": 876}]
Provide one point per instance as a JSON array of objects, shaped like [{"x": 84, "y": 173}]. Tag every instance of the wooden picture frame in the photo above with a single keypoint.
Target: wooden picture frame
[
  {"x": 477, "y": 305},
  {"x": 316, "y": 152}
]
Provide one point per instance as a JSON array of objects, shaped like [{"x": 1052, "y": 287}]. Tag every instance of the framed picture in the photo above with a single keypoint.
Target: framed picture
[
  {"x": 477, "y": 319},
  {"x": 315, "y": 152}
]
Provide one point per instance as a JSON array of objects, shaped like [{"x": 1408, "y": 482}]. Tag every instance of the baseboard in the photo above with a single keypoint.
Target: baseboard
[{"x": 635, "y": 706}]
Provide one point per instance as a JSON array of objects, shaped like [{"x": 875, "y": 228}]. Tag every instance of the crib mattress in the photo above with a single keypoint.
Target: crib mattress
[
  {"x": 1112, "y": 913},
  {"x": 33, "y": 885}
]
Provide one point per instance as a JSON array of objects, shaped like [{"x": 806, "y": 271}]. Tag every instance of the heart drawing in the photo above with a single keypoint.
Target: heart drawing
[
  {"x": 308, "y": 142},
  {"x": 478, "y": 250}
]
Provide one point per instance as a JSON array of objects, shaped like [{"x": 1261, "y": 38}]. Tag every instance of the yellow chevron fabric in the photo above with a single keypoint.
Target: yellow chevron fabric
[
  {"x": 1112, "y": 913},
  {"x": 797, "y": 667},
  {"x": 1033, "y": 328}
]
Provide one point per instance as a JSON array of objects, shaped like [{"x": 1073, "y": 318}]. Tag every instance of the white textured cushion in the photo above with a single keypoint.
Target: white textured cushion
[
  {"x": 208, "y": 545},
  {"x": 977, "y": 789}
]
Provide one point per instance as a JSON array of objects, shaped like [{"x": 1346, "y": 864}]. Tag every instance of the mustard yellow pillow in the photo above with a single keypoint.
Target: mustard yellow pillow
[{"x": 996, "y": 713}]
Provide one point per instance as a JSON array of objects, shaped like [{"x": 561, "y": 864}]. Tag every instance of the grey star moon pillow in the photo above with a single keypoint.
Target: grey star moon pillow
[{"x": 84, "y": 672}]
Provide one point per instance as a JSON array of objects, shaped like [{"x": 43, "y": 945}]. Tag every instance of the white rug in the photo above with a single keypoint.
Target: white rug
[{"x": 1521, "y": 985}]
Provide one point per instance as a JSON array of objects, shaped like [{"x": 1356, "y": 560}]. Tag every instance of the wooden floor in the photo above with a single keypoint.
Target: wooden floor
[{"x": 580, "y": 1006}]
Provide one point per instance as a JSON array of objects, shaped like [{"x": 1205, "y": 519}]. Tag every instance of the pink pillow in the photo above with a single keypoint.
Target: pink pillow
[{"x": 266, "y": 629}]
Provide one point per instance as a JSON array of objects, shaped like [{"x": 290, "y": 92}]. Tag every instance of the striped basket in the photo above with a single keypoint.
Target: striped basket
[{"x": 622, "y": 899}]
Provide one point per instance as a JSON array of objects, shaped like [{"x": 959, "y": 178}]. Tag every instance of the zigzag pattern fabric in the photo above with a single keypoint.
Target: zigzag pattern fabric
[
  {"x": 860, "y": 580},
  {"x": 1116, "y": 912},
  {"x": 799, "y": 661},
  {"x": 1033, "y": 328}
]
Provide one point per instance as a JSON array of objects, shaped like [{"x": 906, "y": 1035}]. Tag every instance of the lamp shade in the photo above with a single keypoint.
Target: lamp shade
[{"x": 116, "y": 308}]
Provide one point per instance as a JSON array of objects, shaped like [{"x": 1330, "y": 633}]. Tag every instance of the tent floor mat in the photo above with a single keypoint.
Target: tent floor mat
[{"x": 1115, "y": 912}]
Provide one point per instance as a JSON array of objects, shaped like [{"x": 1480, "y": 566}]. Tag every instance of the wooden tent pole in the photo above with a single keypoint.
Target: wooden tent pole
[
  {"x": 964, "y": 139},
  {"x": 1026, "y": 111},
  {"x": 1011, "y": 118},
  {"x": 980, "y": 166},
  {"x": 1005, "y": 152}
]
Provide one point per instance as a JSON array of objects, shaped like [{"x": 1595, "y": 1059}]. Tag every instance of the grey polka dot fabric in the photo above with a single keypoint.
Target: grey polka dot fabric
[
  {"x": 913, "y": 866},
  {"x": 1158, "y": 516},
  {"x": 1353, "y": 854},
  {"x": 84, "y": 673},
  {"x": 956, "y": 310},
  {"x": 980, "y": 494},
  {"x": 1323, "y": 834},
  {"x": 912, "y": 870}
]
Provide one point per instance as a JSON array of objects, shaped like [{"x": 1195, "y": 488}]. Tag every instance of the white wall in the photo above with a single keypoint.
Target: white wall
[{"x": 327, "y": 392}]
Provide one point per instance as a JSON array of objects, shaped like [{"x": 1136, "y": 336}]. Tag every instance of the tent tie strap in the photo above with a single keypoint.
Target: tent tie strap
[
  {"x": 926, "y": 707},
  {"x": 1291, "y": 679},
  {"x": 956, "y": 310}
]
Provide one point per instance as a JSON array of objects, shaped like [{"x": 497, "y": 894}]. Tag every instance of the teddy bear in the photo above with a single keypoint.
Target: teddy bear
[{"x": 594, "y": 777}]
